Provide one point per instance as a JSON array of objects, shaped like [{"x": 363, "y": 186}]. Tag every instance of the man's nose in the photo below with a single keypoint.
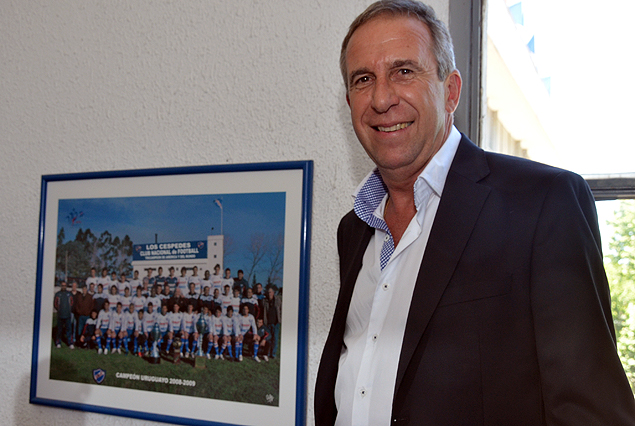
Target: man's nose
[{"x": 384, "y": 96}]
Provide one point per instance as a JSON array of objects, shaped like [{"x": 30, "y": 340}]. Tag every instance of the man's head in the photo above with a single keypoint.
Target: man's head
[
  {"x": 160, "y": 270},
  {"x": 216, "y": 269},
  {"x": 401, "y": 88},
  {"x": 442, "y": 47},
  {"x": 84, "y": 289},
  {"x": 100, "y": 288},
  {"x": 63, "y": 285},
  {"x": 228, "y": 273},
  {"x": 241, "y": 274},
  {"x": 270, "y": 293},
  {"x": 207, "y": 274},
  {"x": 93, "y": 272}
]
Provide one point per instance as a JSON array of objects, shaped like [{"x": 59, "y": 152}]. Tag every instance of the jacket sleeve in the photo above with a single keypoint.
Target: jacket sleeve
[{"x": 582, "y": 379}]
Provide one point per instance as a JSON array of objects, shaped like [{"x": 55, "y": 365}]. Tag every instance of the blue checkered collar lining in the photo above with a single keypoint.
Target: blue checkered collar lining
[{"x": 372, "y": 191}]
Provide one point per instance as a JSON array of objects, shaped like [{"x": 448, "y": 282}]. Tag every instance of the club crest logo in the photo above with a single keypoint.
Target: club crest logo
[{"x": 99, "y": 375}]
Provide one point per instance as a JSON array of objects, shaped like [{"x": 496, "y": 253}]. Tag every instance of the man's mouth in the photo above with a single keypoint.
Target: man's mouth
[{"x": 393, "y": 128}]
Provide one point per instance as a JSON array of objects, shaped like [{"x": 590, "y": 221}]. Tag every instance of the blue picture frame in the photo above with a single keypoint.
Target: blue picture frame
[{"x": 268, "y": 204}]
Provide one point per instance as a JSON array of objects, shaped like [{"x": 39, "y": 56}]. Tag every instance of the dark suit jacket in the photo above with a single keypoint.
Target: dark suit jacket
[{"x": 510, "y": 320}]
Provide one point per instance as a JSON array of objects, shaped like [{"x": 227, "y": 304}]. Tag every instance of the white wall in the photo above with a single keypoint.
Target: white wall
[{"x": 108, "y": 85}]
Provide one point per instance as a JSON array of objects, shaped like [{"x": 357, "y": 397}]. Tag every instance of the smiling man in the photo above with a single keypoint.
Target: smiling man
[{"x": 498, "y": 259}]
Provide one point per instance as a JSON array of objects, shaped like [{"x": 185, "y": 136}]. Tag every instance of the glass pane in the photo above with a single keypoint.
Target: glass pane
[
  {"x": 558, "y": 88},
  {"x": 617, "y": 226}
]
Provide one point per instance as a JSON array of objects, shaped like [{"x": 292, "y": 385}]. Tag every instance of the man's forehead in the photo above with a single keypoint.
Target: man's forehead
[{"x": 388, "y": 38}]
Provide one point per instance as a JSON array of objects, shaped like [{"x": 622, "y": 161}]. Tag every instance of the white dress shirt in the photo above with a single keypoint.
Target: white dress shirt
[{"x": 381, "y": 299}]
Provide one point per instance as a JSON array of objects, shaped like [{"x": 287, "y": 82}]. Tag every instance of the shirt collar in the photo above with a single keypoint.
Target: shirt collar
[{"x": 371, "y": 192}]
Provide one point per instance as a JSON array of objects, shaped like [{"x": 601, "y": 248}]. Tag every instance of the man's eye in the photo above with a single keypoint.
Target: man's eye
[
  {"x": 405, "y": 71},
  {"x": 361, "y": 81}
]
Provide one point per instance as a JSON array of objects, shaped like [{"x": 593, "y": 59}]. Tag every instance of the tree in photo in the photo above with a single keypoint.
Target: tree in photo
[{"x": 620, "y": 269}]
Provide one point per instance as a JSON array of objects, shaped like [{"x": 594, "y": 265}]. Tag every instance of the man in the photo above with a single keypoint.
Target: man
[
  {"x": 272, "y": 318},
  {"x": 216, "y": 279},
  {"x": 129, "y": 321},
  {"x": 247, "y": 333},
  {"x": 87, "y": 337},
  {"x": 135, "y": 282},
  {"x": 124, "y": 284},
  {"x": 163, "y": 319},
  {"x": 63, "y": 303},
  {"x": 188, "y": 331},
  {"x": 99, "y": 298},
  {"x": 196, "y": 280},
  {"x": 265, "y": 338},
  {"x": 171, "y": 279},
  {"x": 175, "y": 319},
  {"x": 149, "y": 319},
  {"x": 498, "y": 259},
  {"x": 160, "y": 278},
  {"x": 104, "y": 280},
  {"x": 251, "y": 301},
  {"x": 102, "y": 327},
  {"x": 230, "y": 331},
  {"x": 215, "y": 325},
  {"x": 116, "y": 330},
  {"x": 92, "y": 280},
  {"x": 138, "y": 300},
  {"x": 182, "y": 282},
  {"x": 84, "y": 305},
  {"x": 240, "y": 282}
]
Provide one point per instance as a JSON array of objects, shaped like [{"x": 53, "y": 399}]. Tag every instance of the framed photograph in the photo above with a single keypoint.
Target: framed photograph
[{"x": 177, "y": 295}]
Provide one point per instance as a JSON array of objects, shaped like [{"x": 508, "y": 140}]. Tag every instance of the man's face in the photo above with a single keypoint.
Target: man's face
[
  {"x": 228, "y": 273},
  {"x": 240, "y": 275},
  {"x": 401, "y": 111},
  {"x": 270, "y": 293},
  {"x": 84, "y": 290},
  {"x": 63, "y": 286}
]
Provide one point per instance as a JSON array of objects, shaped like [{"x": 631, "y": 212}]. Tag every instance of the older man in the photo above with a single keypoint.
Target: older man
[{"x": 497, "y": 258}]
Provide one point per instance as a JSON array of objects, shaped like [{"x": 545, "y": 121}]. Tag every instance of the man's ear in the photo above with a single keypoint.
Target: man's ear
[
  {"x": 348, "y": 100},
  {"x": 452, "y": 85}
]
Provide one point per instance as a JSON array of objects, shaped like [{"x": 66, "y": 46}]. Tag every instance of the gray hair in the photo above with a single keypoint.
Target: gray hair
[{"x": 442, "y": 48}]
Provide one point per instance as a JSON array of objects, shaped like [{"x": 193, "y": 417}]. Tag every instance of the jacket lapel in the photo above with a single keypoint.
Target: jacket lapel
[{"x": 461, "y": 202}]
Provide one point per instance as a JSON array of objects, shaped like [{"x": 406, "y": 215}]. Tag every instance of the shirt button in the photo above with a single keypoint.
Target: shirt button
[
  {"x": 375, "y": 337},
  {"x": 387, "y": 238},
  {"x": 362, "y": 392},
  {"x": 385, "y": 286}
]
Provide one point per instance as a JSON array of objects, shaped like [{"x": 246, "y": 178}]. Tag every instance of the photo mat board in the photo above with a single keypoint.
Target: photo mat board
[{"x": 173, "y": 208}]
